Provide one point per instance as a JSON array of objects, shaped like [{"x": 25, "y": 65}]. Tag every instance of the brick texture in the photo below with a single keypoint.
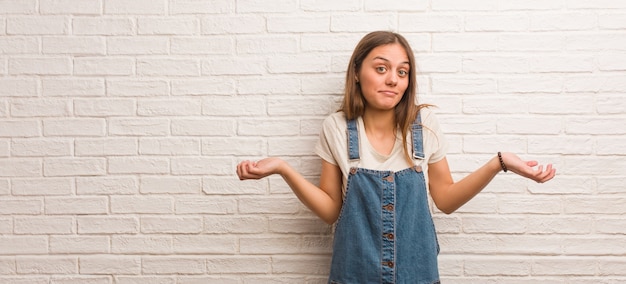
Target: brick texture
[{"x": 121, "y": 123}]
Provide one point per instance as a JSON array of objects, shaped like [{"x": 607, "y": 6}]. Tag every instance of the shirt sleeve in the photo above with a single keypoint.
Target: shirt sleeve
[
  {"x": 437, "y": 140},
  {"x": 327, "y": 138}
]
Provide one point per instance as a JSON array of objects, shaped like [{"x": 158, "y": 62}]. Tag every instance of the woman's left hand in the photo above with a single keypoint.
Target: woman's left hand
[{"x": 529, "y": 169}]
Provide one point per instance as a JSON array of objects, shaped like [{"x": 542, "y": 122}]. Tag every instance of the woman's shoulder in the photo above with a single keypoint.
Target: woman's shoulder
[{"x": 336, "y": 120}]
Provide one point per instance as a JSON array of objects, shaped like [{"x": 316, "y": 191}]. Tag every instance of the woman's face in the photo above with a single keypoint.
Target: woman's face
[{"x": 384, "y": 76}]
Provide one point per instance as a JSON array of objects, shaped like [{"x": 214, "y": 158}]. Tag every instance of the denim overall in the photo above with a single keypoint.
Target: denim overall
[{"x": 385, "y": 233}]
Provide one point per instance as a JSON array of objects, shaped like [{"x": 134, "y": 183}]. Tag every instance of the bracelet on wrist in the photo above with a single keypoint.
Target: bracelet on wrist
[{"x": 502, "y": 162}]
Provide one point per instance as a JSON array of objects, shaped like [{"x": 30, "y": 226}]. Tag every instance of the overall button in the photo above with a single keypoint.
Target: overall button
[
  {"x": 388, "y": 264},
  {"x": 418, "y": 169},
  {"x": 352, "y": 171},
  {"x": 389, "y": 236},
  {"x": 389, "y": 178},
  {"x": 388, "y": 207}
]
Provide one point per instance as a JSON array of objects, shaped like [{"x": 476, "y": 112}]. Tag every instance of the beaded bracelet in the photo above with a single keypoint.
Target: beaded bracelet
[{"x": 502, "y": 162}]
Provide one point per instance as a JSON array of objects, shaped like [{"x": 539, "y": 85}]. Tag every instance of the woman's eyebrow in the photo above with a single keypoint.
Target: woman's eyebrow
[{"x": 387, "y": 60}]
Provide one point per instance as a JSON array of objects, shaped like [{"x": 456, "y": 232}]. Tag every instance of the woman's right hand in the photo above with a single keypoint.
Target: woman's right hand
[{"x": 260, "y": 169}]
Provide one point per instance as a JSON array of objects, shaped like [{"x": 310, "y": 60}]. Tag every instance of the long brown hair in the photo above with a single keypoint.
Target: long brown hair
[{"x": 354, "y": 103}]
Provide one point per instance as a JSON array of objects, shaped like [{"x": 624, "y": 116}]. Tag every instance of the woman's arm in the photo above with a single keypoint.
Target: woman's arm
[
  {"x": 450, "y": 196},
  {"x": 325, "y": 201}
]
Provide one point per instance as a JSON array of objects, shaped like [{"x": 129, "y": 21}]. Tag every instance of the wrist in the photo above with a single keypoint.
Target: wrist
[{"x": 501, "y": 162}]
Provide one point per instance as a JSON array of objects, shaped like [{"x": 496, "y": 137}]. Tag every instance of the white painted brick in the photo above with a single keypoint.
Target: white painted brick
[
  {"x": 5, "y": 189},
  {"x": 20, "y": 167},
  {"x": 574, "y": 104},
  {"x": 497, "y": 266},
  {"x": 278, "y": 6},
  {"x": 168, "y": 26},
  {"x": 42, "y": 186},
  {"x": 172, "y": 225},
  {"x": 529, "y": 42},
  {"x": 552, "y": 84},
  {"x": 231, "y": 185},
  {"x": 564, "y": 266},
  {"x": 267, "y": 44},
  {"x": 595, "y": 125},
  {"x": 530, "y": 5},
  {"x": 73, "y": 166},
  {"x": 81, "y": 279},
  {"x": 459, "y": 5},
  {"x": 146, "y": 279},
  {"x": 291, "y": 146},
  {"x": 104, "y": 107},
  {"x": 105, "y": 147},
  {"x": 26, "y": 280},
  {"x": 40, "y": 66},
  {"x": 18, "y": 87},
  {"x": 43, "y": 225},
  {"x": 7, "y": 265},
  {"x": 203, "y": 127},
  {"x": 326, "y": 43},
  {"x": 543, "y": 64},
  {"x": 74, "y": 127},
  {"x": 323, "y": 86},
  {"x": 13, "y": 245},
  {"x": 137, "y": 45},
  {"x": 169, "y": 146},
  {"x": 103, "y": 26},
  {"x": 41, "y": 25},
  {"x": 404, "y": 5},
  {"x": 137, "y": 244},
  {"x": 611, "y": 21},
  {"x": 495, "y": 64},
  {"x": 290, "y": 106},
  {"x": 500, "y": 244},
  {"x": 108, "y": 264},
  {"x": 107, "y": 185},
  {"x": 468, "y": 125},
  {"x": 169, "y": 107},
  {"x": 565, "y": 185},
  {"x": 529, "y": 205},
  {"x": 202, "y": 45},
  {"x": 611, "y": 266},
  {"x": 494, "y": 225},
  {"x": 270, "y": 127},
  {"x": 234, "y": 66},
  {"x": 268, "y": 85},
  {"x": 600, "y": 4},
  {"x": 611, "y": 146},
  {"x": 425, "y": 22},
  {"x": 139, "y": 7},
  {"x": 259, "y": 205},
  {"x": 141, "y": 205},
  {"x": 173, "y": 265},
  {"x": 233, "y": 146},
  {"x": 239, "y": 264},
  {"x": 587, "y": 205},
  {"x": 205, "y": 86},
  {"x": 22, "y": 206},
  {"x": 73, "y": 87},
  {"x": 598, "y": 166},
  {"x": 559, "y": 225},
  {"x": 202, "y": 166},
  {"x": 559, "y": 21},
  {"x": 19, "y": 45},
  {"x": 463, "y": 85},
  {"x": 561, "y": 145},
  {"x": 40, "y": 107},
  {"x": 193, "y": 205},
  {"x": 79, "y": 244},
  {"x": 104, "y": 66},
  {"x": 40, "y": 147},
  {"x": 168, "y": 67},
  {"x": 76, "y": 205},
  {"x": 496, "y": 22},
  {"x": 202, "y": 244},
  {"x": 485, "y": 105},
  {"x": 594, "y": 84},
  {"x": 612, "y": 61},
  {"x": 235, "y": 224},
  {"x": 173, "y": 185},
  {"x": 107, "y": 225},
  {"x": 298, "y": 24},
  {"x": 234, "y": 106},
  {"x": 138, "y": 127},
  {"x": 208, "y": 279},
  {"x": 330, "y": 5},
  {"x": 138, "y": 165},
  {"x": 202, "y": 7},
  {"x": 18, "y": 7},
  {"x": 47, "y": 265},
  {"x": 4, "y": 148},
  {"x": 305, "y": 64},
  {"x": 237, "y": 24},
  {"x": 80, "y": 45},
  {"x": 134, "y": 88},
  {"x": 285, "y": 245},
  {"x": 362, "y": 22},
  {"x": 312, "y": 225},
  {"x": 90, "y": 7},
  {"x": 603, "y": 41},
  {"x": 484, "y": 203}
]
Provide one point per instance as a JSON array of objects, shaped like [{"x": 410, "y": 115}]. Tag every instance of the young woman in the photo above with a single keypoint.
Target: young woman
[{"x": 380, "y": 154}]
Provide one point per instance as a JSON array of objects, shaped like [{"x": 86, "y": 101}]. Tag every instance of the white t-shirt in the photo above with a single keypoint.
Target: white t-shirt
[{"x": 333, "y": 146}]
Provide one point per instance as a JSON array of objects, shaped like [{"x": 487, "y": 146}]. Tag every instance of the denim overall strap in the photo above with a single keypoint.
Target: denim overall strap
[
  {"x": 353, "y": 140},
  {"x": 416, "y": 132}
]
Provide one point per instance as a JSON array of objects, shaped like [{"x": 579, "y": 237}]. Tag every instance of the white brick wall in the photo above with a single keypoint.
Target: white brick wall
[{"x": 121, "y": 123}]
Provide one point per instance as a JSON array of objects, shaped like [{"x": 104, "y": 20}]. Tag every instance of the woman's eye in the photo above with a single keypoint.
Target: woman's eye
[
  {"x": 403, "y": 73},
  {"x": 381, "y": 69}
]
